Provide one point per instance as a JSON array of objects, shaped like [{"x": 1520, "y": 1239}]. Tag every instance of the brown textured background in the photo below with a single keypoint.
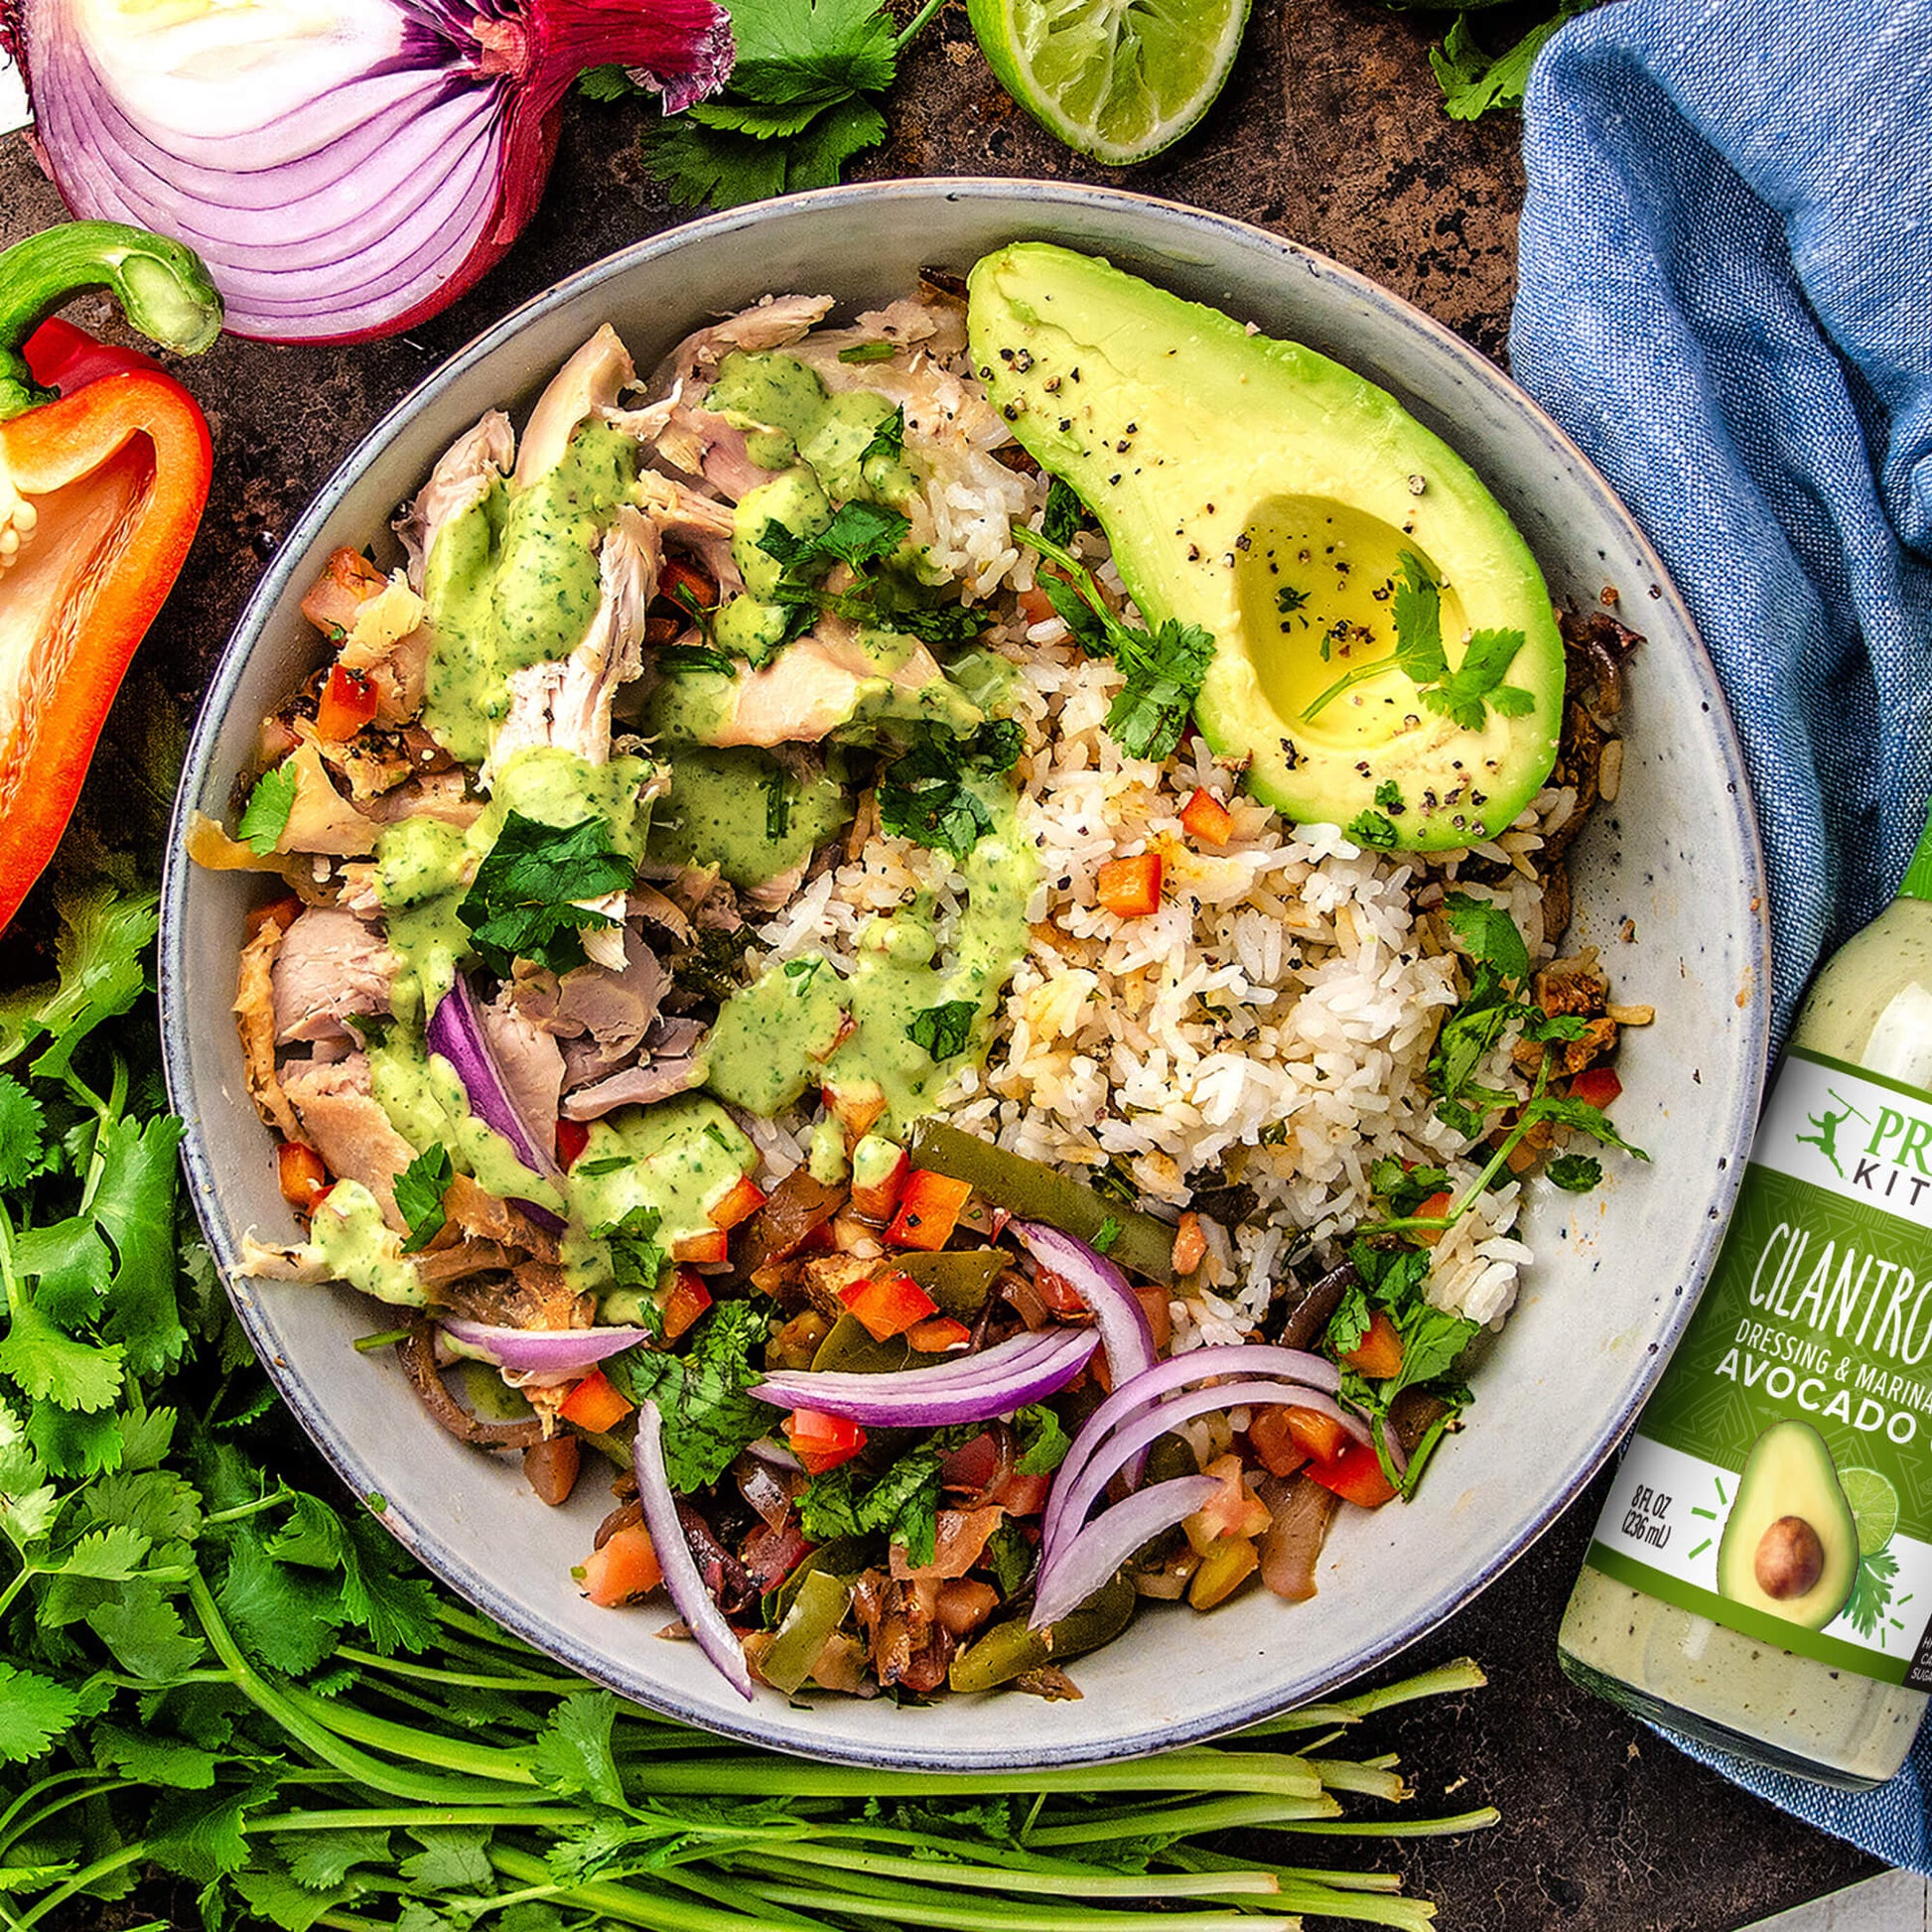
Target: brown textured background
[{"x": 1331, "y": 132}]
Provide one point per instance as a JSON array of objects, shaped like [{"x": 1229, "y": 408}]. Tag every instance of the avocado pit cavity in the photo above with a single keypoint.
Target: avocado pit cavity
[{"x": 1790, "y": 1559}]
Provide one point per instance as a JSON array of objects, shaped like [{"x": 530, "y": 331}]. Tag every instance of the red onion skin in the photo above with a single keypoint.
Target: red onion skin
[
  {"x": 702, "y": 1617},
  {"x": 515, "y": 60},
  {"x": 1067, "y": 1580}
]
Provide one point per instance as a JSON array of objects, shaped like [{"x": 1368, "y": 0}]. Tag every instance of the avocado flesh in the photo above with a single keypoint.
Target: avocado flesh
[
  {"x": 1789, "y": 1473},
  {"x": 1227, "y": 468}
]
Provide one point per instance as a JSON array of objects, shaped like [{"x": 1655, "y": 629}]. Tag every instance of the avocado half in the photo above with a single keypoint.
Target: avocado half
[
  {"x": 1790, "y": 1520},
  {"x": 1267, "y": 493}
]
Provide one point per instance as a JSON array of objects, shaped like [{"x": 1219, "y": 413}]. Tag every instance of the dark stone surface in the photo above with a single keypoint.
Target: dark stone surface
[{"x": 1330, "y": 132}]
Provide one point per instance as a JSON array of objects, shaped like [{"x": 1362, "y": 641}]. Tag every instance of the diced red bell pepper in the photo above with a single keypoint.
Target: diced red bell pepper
[
  {"x": 596, "y": 1404},
  {"x": 740, "y": 1204},
  {"x": 301, "y": 1175},
  {"x": 1378, "y": 1354},
  {"x": 686, "y": 586},
  {"x": 889, "y": 1305},
  {"x": 573, "y": 1137},
  {"x": 1189, "y": 1245},
  {"x": 821, "y": 1240},
  {"x": 687, "y": 1299},
  {"x": 822, "y": 1441},
  {"x": 1437, "y": 1203},
  {"x": 282, "y": 913},
  {"x": 1035, "y": 605},
  {"x": 624, "y": 1568},
  {"x": 702, "y": 1250},
  {"x": 1207, "y": 819},
  {"x": 1272, "y": 1439},
  {"x": 1597, "y": 1086},
  {"x": 878, "y": 1179},
  {"x": 1129, "y": 888},
  {"x": 938, "y": 1336},
  {"x": 928, "y": 1210},
  {"x": 346, "y": 704},
  {"x": 1321, "y": 1438},
  {"x": 1355, "y": 1476}
]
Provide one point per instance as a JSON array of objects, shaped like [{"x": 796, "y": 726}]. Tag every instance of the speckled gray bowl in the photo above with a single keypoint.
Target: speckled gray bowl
[{"x": 1669, "y": 883}]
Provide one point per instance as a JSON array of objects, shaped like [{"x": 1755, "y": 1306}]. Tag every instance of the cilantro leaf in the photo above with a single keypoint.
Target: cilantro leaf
[
  {"x": 944, "y": 1030},
  {"x": 383, "y": 1593},
  {"x": 1041, "y": 1441},
  {"x": 1489, "y": 936},
  {"x": 1373, "y": 829},
  {"x": 1580, "y": 1114},
  {"x": 286, "y": 1617},
  {"x": 265, "y": 817},
  {"x": 1011, "y": 1556},
  {"x": 636, "y": 1258},
  {"x": 1065, "y": 512},
  {"x": 708, "y": 1416},
  {"x": 795, "y": 50},
  {"x": 420, "y": 1189},
  {"x": 1461, "y": 694},
  {"x": 1474, "y": 83},
  {"x": 34, "y": 1711},
  {"x": 97, "y": 955},
  {"x": 901, "y": 1500},
  {"x": 1406, "y": 1188},
  {"x": 573, "y": 1754},
  {"x": 524, "y": 905},
  {"x": 1106, "y": 1234},
  {"x": 692, "y": 658},
  {"x": 888, "y": 439},
  {"x": 52, "y": 1366},
  {"x": 1088, "y": 626},
  {"x": 926, "y": 795},
  {"x": 23, "y": 1128},
  {"x": 134, "y": 1204},
  {"x": 1574, "y": 1173},
  {"x": 858, "y": 534},
  {"x": 1164, "y": 672}
]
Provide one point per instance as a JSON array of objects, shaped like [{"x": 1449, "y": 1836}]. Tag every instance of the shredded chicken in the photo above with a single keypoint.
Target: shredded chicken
[
  {"x": 330, "y": 968},
  {"x": 591, "y": 381},
  {"x": 348, "y": 1128},
  {"x": 774, "y": 322},
  {"x": 463, "y": 476},
  {"x": 254, "y": 1010}
]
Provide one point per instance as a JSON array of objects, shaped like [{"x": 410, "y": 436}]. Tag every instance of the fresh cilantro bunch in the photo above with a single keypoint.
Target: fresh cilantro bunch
[
  {"x": 1163, "y": 668},
  {"x": 1473, "y": 83},
  {"x": 801, "y": 101},
  {"x": 529, "y": 898},
  {"x": 931, "y": 793},
  {"x": 1464, "y": 695}
]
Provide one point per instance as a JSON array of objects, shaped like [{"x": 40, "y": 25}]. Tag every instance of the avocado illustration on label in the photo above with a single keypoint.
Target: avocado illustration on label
[
  {"x": 1790, "y": 1546},
  {"x": 1385, "y": 650}
]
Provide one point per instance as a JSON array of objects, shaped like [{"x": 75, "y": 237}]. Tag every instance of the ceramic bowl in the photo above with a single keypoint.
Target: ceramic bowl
[{"x": 1669, "y": 883}]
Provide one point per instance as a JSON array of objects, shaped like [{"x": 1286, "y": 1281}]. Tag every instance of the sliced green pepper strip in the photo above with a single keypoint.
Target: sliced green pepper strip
[
  {"x": 844, "y": 1557},
  {"x": 1143, "y": 1245},
  {"x": 816, "y": 1612},
  {"x": 958, "y": 1280},
  {"x": 852, "y": 1349},
  {"x": 161, "y": 286},
  {"x": 1010, "y": 1650}
]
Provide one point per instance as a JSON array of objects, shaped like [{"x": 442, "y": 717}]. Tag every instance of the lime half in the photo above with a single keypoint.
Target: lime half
[
  {"x": 1875, "y": 1507},
  {"x": 1116, "y": 79}
]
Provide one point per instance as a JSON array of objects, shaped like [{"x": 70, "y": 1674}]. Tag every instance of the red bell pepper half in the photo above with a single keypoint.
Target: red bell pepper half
[{"x": 104, "y": 467}]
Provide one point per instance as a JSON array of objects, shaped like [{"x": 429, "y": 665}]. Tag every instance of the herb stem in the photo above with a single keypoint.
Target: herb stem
[
  {"x": 1467, "y": 1821},
  {"x": 1072, "y": 1882},
  {"x": 489, "y": 1762},
  {"x": 631, "y": 1906},
  {"x": 915, "y": 26},
  {"x": 906, "y": 1906},
  {"x": 458, "y": 1680}
]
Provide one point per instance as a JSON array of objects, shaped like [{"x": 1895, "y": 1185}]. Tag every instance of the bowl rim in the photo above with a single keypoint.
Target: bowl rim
[{"x": 1039, "y": 198}]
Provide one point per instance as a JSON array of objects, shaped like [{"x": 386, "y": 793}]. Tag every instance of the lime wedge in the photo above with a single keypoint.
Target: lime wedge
[
  {"x": 1115, "y": 80},
  {"x": 1875, "y": 1507}
]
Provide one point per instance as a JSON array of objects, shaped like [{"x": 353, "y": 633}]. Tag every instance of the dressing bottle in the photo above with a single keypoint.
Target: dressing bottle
[{"x": 1761, "y": 1573}]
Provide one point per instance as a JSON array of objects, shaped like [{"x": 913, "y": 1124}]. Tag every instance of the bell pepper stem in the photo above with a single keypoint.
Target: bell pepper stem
[{"x": 161, "y": 286}]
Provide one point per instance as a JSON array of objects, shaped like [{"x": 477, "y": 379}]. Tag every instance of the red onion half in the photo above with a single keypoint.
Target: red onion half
[
  {"x": 542, "y": 1352},
  {"x": 346, "y": 168},
  {"x": 695, "y": 1605}
]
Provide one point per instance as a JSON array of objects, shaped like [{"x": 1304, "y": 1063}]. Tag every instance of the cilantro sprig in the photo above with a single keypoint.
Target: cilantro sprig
[
  {"x": 1463, "y": 695},
  {"x": 944, "y": 1030},
  {"x": 265, "y": 817},
  {"x": 420, "y": 1189},
  {"x": 1164, "y": 668},
  {"x": 527, "y": 900},
  {"x": 931, "y": 793}
]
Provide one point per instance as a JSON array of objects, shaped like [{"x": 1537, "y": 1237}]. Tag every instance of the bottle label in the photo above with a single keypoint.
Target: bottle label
[{"x": 1780, "y": 1478}]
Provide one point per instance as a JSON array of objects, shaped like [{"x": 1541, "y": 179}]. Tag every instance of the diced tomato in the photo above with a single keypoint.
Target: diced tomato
[
  {"x": 889, "y": 1305},
  {"x": 928, "y": 1210},
  {"x": 573, "y": 1137},
  {"x": 624, "y": 1568},
  {"x": 938, "y": 1336},
  {"x": 744, "y": 1200},
  {"x": 1355, "y": 1477},
  {"x": 1159, "y": 1309},
  {"x": 1596, "y": 1086},
  {"x": 1207, "y": 819},
  {"x": 1057, "y": 1292},
  {"x": 302, "y": 1177},
  {"x": 346, "y": 704},
  {"x": 822, "y": 1441},
  {"x": 1035, "y": 605},
  {"x": 971, "y": 1467},
  {"x": 1189, "y": 1245},
  {"x": 878, "y": 1174},
  {"x": 1129, "y": 888},
  {"x": 1272, "y": 1439},
  {"x": 1320, "y": 1438},
  {"x": 283, "y": 912},
  {"x": 689, "y": 1299},
  {"x": 1233, "y": 1509},
  {"x": 701, "y": 1250},
  {"x": 1378, "y": 1354},
  {"x": 596, "y": 1404},
  {"x": 1437, "y": 1203},
  {"x": 1023, "y": 1495},
  {"x": 686, "y": 584}
]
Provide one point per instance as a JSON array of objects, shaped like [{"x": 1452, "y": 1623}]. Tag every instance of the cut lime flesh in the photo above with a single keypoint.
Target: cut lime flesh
[
  {"x": 1117, "y": 81},
  {"x": 1875, "y": 1507}
]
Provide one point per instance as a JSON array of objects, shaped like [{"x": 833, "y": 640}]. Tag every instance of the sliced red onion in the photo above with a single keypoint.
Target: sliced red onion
[
  {"x": 1117, "y": 1312},
  {"x": 545, "y": 1351},
  {"x": 1068, "y": 1580},
  {"x": 972, "y": 1387},
  {"x": 456, "y": 1032},
  {"x": 1293, "y": 1366},
  {"x": 348, "y": 168},
  {"x": 1077, "y": 1495},
  {"x": 695, "y": 1605}
]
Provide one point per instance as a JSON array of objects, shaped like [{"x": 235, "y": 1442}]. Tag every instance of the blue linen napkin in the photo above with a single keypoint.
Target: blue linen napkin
[{"x": 1726, "y": 297}]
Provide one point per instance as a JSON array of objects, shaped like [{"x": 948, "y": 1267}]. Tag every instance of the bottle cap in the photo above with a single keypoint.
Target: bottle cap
[{"x": 1917, "y": 883}]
